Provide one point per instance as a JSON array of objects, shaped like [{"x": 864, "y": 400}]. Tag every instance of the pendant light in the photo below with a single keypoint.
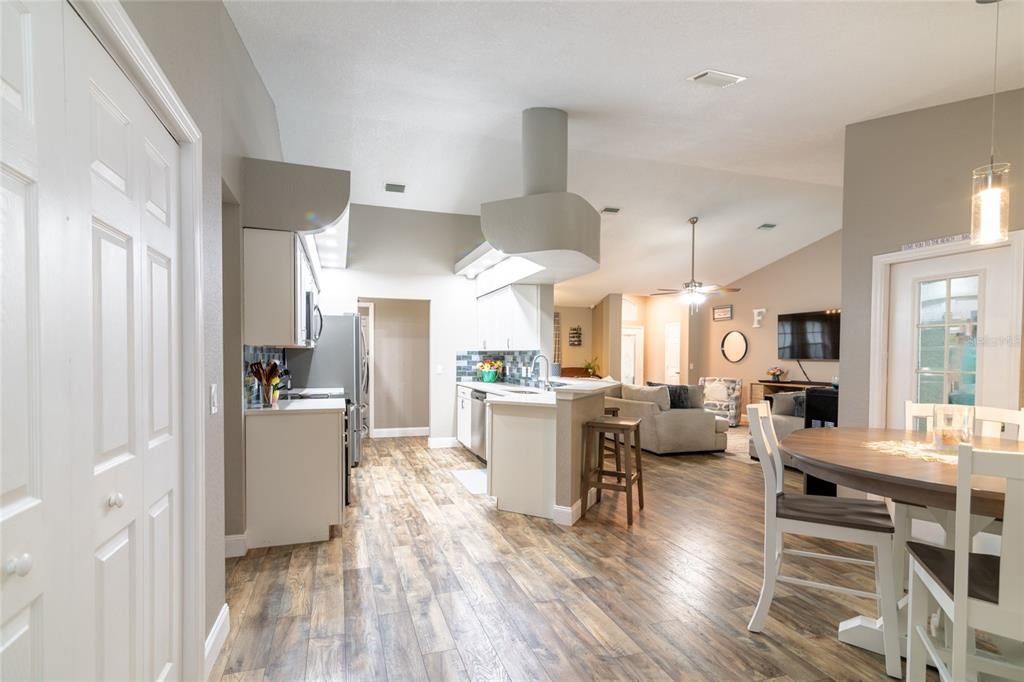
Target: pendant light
[{"x": 990, "y": 187}]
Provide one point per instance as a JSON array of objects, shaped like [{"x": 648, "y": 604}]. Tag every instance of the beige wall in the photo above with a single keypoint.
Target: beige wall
[
  {"x": 576, "y": 356},
  {"x": 607, "y": 348},
  {"x": 806, "y": 280},
  {"x": 401, "y": 363},
  {"x": 198, "y": 48},
  {"x": 402, "y": 254},
  {"x": 660, "y": 311},
  {"x": 907, "y": 178}
]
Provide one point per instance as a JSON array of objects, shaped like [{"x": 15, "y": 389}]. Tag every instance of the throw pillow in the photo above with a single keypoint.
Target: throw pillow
[
  {"x": 678, "y": 395},
  {"x": 799, "y": 401},
  {"x": 648, "y": 394}
]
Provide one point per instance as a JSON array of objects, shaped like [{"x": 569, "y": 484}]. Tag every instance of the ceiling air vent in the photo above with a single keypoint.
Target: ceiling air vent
[
  {"x": 392, "y": 187},
  {"x": 767, "y": 227},
  {"x": 611, "y": 209},
  {"x": 718, "y": 79}
]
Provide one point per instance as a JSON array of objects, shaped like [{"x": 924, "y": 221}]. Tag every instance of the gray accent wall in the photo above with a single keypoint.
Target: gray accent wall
[
  {"x": 400, "y": 371},
  {"x": 907, "y": 178},
  {"x": 200, "y": 51}
]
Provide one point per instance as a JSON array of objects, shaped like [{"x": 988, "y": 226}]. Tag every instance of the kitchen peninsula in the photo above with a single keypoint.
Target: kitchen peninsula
[
  {"x": 295, "y": 471},
  {"x": 534, "y": 441}
]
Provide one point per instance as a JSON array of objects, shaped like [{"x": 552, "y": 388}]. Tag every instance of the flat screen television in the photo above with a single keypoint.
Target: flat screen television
[{"x": 809, "y": 336}]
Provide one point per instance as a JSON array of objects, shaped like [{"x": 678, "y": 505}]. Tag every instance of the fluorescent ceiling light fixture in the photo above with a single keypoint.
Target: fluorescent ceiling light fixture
[
  {"x": 479, "y": 259},
  {"x": 717, "y": 79}
]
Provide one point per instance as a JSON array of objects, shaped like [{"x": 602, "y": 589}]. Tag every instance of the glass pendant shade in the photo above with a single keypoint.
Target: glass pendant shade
[
  {"x": 990, "y": 204},
  {"x": 692, "y": 298}
]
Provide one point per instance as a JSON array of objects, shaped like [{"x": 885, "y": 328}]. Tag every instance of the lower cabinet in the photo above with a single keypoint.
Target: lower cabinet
[{"x": 294, "y": 477}]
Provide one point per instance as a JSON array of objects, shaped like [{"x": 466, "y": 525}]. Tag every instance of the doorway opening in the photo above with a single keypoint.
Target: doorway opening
[
  {"x": 632, "y": 355},
  {"x": 397, "y": 333}
]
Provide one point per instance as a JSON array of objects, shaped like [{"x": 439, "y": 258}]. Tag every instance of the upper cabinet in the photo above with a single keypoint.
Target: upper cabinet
[
  {"x": 280, "y": 291},
  {"x": 510, "y": 318}
]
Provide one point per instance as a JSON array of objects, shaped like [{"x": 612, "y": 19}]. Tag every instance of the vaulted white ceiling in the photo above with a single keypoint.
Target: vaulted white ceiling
[{"x": 429, "y": 95}]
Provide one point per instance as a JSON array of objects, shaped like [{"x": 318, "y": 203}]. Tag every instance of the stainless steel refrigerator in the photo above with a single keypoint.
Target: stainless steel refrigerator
[{"x": 339, "y": 359}]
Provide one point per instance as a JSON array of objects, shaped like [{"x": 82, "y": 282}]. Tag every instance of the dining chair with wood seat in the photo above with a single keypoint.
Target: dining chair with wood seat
[
  {"x": 864, "y": 522},
  {"x": 974, "y": 591}
]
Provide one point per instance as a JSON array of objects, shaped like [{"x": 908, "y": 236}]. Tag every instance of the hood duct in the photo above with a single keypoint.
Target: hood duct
[{"x": 557, "y": 230}]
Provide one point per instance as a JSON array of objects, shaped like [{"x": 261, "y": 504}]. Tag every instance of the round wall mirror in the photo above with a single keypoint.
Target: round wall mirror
[{"x": 734, "y": 346}]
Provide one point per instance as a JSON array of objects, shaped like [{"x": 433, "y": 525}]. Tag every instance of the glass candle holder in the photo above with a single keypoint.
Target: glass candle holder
[{"x": 952, "y": 425}]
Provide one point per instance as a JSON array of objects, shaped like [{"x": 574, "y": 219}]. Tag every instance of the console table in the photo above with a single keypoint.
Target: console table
[{"x": 760, "y": 389}]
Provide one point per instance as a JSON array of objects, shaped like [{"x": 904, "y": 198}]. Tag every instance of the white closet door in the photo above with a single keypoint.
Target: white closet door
[
  {"x": 35, "y": 502},
  {"x": 123, "y": 226}
]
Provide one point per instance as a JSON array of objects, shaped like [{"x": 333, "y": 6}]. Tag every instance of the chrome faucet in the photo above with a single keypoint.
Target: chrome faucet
[{"x": 547, "y": 369}]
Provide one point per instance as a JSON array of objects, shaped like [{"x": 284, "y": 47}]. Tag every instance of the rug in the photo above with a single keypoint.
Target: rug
[{"x": 473, "y": 480}]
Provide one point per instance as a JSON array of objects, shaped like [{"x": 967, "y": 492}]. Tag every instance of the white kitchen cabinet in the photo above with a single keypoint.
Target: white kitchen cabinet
[
  {"x": 464, "y": 410},
  {"x": 276, "y": 278},
  {"x": 510, "y": 318}
]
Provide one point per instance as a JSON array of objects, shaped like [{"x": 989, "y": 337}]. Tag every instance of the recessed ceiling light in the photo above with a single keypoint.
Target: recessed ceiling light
[
  {"x": 766, "y": 226},
  {"x": 610, "y": 209},
  {"x": 393, "y": 187},
  {"x": 718, "y": 79}
]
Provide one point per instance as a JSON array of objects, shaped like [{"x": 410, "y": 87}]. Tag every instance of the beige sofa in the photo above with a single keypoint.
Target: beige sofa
[{"x": 665, "y": 431}]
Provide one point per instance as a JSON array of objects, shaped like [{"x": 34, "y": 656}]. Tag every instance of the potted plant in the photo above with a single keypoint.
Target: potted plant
[
  {"x": 776, "y": 373},
  {"x": 592, "y": 367},
  {"x": 489, "y": 370}
]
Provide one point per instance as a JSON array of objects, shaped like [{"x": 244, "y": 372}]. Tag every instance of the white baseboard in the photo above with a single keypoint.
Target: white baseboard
[
  {"x": 567, "y": 516},
  {"x": 215, "y": 640},
  {"x": 443, "y": 442},
  {"x": 235, "y": 545},
  {"x": 406, "y": 432}
]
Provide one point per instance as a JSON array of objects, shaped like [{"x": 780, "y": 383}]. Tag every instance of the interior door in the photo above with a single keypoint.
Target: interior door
[
  {"x": 628, "y": 358},
  {"x": 122, "y": 169},
  {"x": 672, "y": 352},
  {"x": 950, "y": 331},
  {"x": 35, "y": 498}
]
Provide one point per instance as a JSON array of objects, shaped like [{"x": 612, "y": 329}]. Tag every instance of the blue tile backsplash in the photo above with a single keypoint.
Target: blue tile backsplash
[{"x": 465, "y": 365}]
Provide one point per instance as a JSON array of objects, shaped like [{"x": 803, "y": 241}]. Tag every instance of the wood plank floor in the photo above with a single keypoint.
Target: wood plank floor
[{"x": 429, "y": 582}]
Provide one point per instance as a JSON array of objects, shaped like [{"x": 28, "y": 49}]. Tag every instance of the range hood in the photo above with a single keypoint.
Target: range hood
[{"x": 558, "y": 232}]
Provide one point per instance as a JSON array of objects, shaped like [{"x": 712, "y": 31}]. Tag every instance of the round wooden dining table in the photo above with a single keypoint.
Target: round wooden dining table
[
  {"x": 895, "y": 464},
  {"x": 902, "y": 466}
]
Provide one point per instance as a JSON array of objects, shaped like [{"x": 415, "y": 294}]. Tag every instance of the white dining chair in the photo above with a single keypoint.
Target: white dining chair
[
  {"x": 974, "y": 591},
  {"x": 864, "y": 522},
  {"x": 914, "y": 411},
  {"x": 996, "y": 422}
]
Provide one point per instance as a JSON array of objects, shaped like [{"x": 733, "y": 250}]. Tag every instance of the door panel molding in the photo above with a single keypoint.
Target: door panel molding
[{"x": 111, "y": 25}]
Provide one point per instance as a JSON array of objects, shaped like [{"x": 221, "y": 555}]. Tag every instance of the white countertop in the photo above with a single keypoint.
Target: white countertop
[
  {"x": 304, "y": 406},
  {"x": 511, "y": 394}
]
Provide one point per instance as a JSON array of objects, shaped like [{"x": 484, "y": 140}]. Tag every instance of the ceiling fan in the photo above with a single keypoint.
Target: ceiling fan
[{"x": 694, "y": 292}]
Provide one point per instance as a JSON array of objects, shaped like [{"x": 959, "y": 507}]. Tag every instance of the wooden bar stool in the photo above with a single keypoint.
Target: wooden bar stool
[
  {"x": 626, "y": 474},
  {"x": 614, "y": 447}
]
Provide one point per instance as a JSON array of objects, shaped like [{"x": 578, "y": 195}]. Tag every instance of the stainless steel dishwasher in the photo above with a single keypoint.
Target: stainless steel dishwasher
[{"x": 478, "y": 425}]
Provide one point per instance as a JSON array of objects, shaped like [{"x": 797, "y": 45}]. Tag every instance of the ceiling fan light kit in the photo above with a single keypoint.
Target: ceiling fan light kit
[{"x": 694, "y": 293}]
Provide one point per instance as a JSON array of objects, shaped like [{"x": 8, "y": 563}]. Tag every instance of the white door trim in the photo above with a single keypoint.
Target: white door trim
[
  {"x": 881, "y": 265},
  {"x": 117, "y": 34},
  {"x": 369, "y": 358},
  {"x": 638, "y": 352}
]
